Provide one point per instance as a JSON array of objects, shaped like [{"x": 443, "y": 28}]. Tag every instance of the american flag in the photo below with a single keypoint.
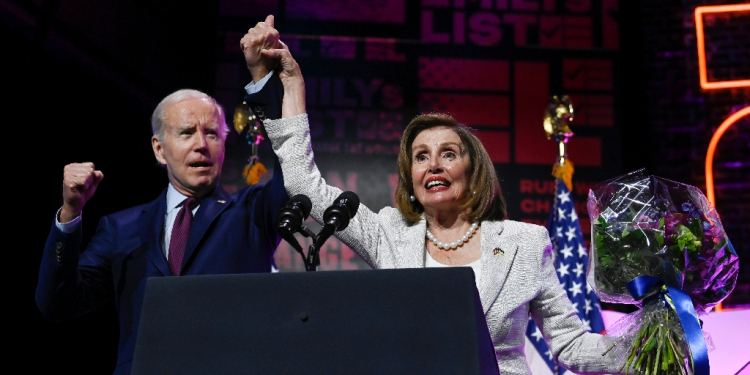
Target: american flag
[{"x": 572, "y": 260}]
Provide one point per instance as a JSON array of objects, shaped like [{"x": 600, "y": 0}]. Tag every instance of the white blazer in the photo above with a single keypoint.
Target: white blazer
[{"x": 518, "y": 273}]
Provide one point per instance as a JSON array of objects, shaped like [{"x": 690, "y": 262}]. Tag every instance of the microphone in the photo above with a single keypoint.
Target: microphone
[
  {"x": 337, "y": 216},
  {"x": 342, "y": 210},
  {"x": 290, "y": 218}
]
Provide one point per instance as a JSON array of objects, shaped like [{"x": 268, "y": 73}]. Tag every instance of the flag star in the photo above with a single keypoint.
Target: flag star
[
  {"x": 563, "y": 270},
  {"x": 567, "y": 251},
  {"x": 587, "y": 307},
  {"x": 573, "y": 215},
  {"x": 564, "y": 197},
  {"x": 559, "y": 232},
  {"x": 588, "y": 288},
  {"x": 575, "y": 305},
  {"x": 579, "y": 269},
  {"x": 537, "y": 335},
  {"x": 582, "y": 251},
  {"x": 561, "y": 213},
  {"x": 575, "y": 288},
  {"x": 587, "y": 325},
  {"x": 548, "y": 354},
  {"x": 571, "y": 233}
]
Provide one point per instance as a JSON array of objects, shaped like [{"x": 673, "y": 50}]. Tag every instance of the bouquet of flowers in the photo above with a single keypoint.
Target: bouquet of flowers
[{"x": 658, "y": 244}]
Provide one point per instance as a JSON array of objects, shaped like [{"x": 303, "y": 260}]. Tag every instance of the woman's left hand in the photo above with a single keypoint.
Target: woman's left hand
[{"x": 291, "y": 77}]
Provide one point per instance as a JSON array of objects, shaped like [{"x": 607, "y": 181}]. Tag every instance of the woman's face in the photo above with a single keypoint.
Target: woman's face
[{"x": 440, "y": 167}]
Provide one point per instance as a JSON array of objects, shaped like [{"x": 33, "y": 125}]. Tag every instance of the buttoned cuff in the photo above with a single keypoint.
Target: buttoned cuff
[
  {"x": 253, "y": 87},
  {"x": 68, "y": 227}
]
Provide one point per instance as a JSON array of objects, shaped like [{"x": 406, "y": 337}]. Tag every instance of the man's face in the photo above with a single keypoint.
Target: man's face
[{"x": 192, "y": 147}]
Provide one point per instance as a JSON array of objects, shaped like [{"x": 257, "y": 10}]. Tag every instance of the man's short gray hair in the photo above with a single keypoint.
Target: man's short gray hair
[{"x": 157, "y": 119}]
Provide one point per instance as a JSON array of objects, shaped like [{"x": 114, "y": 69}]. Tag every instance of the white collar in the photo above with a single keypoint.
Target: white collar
[{"x": 174, "y": 198}]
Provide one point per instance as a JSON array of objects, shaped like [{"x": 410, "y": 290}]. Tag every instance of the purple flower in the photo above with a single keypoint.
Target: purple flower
[{"x": 692, "y": 210}]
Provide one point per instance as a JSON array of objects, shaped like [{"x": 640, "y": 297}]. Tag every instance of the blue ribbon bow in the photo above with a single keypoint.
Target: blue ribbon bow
[{"x": 646, "y": 286}]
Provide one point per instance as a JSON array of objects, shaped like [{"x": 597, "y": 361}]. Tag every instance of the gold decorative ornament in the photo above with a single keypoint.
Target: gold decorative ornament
[
  {"x": 244, "y": 119},
  {"x": 557, "y": 116}
]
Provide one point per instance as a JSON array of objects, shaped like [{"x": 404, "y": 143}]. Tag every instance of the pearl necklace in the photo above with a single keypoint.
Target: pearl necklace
[{"x": 452, "y": 245}]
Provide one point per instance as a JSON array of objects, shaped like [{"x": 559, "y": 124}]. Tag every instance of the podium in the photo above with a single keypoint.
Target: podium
[{"x": 408, "y": 321}]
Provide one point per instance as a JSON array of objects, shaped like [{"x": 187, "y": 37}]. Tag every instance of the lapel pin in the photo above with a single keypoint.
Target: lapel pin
[
  {"x": 222, "y": 201},
  {"x": 498, "y": 250}
]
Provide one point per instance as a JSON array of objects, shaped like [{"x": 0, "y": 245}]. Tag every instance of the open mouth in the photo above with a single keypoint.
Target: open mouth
[
  {"x": 436, "y": 184},
  {"x": 201, "y": 165}
]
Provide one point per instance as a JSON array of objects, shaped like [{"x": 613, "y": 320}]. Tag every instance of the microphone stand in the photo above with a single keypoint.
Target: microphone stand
[{"x": 312, "y": 260}]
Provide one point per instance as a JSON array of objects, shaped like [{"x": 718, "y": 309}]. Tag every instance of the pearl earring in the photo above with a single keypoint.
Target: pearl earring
[{"x": 412, "y": 198}]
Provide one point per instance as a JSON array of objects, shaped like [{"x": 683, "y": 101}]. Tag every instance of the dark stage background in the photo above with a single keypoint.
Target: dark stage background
[{"x": 81, "y": 79}]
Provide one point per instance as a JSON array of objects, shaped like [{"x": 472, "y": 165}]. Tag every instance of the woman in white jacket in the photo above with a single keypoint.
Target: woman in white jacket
[{"x": 450, "y": 213}]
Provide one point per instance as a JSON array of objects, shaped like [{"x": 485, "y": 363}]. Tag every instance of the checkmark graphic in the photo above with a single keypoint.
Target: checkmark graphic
[
  {"x": 548, "y": 33},
  {"x": 573, "y": 76}
]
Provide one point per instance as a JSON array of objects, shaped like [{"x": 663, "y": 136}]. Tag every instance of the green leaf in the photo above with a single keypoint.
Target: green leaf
[
  {"x": 661, "y": 223},
  {"x": 602, "y": 221},
  {"x": 696, "y": 226}
]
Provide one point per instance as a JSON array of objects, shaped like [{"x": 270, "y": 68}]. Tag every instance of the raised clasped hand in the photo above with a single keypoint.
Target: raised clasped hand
[{"x": 261, "y": 37}]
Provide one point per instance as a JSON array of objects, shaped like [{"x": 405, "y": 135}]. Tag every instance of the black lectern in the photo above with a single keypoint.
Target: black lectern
[{"x": 411, "y": 321}]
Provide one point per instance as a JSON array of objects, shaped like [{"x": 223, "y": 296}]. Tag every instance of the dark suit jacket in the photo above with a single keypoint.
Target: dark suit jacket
[{"x": 230, "y": 235}]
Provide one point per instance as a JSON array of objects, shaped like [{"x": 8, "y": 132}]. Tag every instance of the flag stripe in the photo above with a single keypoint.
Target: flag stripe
[{"x": 571, "y": 263}]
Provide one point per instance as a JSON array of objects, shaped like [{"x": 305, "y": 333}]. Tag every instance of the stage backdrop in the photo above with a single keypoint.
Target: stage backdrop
[{"x": 371, "y": 66}]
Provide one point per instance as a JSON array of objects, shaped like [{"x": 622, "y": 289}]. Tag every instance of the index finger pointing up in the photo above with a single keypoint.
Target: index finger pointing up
[{"x": 269, "y": 20}]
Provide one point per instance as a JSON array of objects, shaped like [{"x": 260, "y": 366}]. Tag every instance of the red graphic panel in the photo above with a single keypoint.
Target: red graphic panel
[
  {"x": 475, "y": 110},
  {"x": 610, "y": 27},
  {"x": 585, "y": 151},
  {"x": 578, "y": 32},
  {"x": 550, "y": 31},
  {"x": 463, "y": 74},
  {"x": 587, "y": 74},
  {"x": 382, "y": 11},
  {"x": 382, "y": 49},
  {"x": 592, "y": 110},
  {"x": 531, "y": 95},
  {"x": 497, "y": 145},
  {"x": 335, "y": 47}
]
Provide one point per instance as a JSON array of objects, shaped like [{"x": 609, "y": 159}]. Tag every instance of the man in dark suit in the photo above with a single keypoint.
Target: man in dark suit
[{"x": 193, "y": 228}]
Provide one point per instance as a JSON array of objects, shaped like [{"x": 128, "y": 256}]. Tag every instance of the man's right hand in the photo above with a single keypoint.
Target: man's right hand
[
  {"x": 80, "y": 181},
  {"x": 262, "y": 36}
]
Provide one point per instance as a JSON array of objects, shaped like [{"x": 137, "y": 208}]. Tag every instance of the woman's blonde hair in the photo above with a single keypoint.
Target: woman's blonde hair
[{"x": 485, "y": 199}]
